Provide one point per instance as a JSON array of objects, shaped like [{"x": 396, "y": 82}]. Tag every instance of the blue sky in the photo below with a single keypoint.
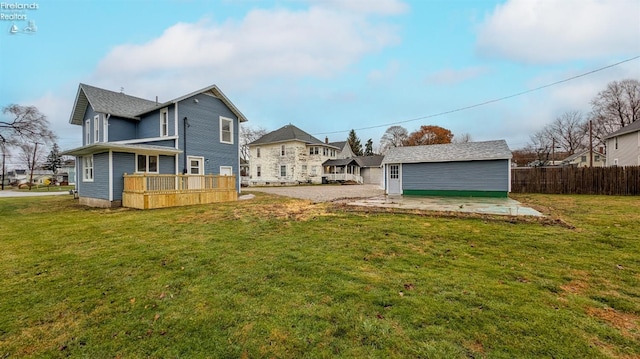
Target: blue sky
[{"x": 328, "y": 66}]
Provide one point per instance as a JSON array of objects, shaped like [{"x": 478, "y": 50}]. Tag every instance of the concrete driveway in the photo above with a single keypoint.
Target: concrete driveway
[{"x": 373, "y": 196}]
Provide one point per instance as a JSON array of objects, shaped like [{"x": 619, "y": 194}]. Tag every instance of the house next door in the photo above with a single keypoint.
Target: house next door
[{"x": 393, "y": 179}]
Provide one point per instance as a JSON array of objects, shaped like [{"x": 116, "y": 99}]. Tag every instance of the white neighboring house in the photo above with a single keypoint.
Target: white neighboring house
[
  {"x": 17, "y": 176},
  {"x": 582, "y": 159},
  {"x": 623, "y": 146},
  {"x": 288, "y": 156}
]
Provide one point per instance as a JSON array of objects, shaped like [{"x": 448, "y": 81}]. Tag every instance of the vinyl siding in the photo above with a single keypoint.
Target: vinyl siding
[
  {"x": 122, "y": 163},
  {"x": 628, "y": 151},
  {"x": 121, "y": 129},
  {"x": 89, "y": 115},
  {"x": 203, "y": 134},
  {"x": 99, "y": 188},
  {"x": 457, "y": 176},
  {"x": 149, "y": 125}
]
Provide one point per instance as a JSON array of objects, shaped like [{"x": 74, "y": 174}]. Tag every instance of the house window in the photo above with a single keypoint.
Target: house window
[
  {"x": 96, "y": 128},
  {"x": 304, "y": 169},
  {"x": 615, "y": 161},
  {"x": 258, "y": 171},
  {"x": 282, "y": 150},
  {"x": 258, "y": 152},
  {"x": 583, "y": 159},
  {"x": 283, "y": 171},
  {"x": 314, "y": 150},
  {"x": 147, "y": 163},
  {"x": 164, "y": 122},
  {"x": 87, "y": 168},
  {"x": 226, "y": 130},
  {"x": 314, "y": 170},
  {"x": 87, "y": 131},
  {"x": 615, "y": 141},
  {"x": 394, "y": 171}
]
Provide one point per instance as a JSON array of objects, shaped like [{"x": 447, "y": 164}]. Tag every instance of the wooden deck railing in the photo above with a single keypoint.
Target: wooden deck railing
[
  {"x": 342, "y": 177},
  {"x": 147, "y": 191}
]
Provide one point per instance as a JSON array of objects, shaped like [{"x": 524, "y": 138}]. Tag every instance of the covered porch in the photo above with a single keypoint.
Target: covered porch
[
  {"x": 342, "y": 170},
  {"x": 149, "y": 191}
]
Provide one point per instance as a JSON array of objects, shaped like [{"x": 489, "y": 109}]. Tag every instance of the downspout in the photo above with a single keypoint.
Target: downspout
[{"x": 185, "y": 124}]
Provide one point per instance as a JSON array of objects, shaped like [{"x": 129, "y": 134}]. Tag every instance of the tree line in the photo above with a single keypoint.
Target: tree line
[{"x": 616, "y": 106}]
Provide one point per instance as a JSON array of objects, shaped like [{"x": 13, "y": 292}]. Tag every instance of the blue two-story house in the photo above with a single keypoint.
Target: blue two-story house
[{"x": 195, "y": 134}]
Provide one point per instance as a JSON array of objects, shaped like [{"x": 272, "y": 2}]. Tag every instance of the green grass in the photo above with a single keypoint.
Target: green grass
[
  {"x": 276, "y": 277},
  {"x": 43, "y": 188}
]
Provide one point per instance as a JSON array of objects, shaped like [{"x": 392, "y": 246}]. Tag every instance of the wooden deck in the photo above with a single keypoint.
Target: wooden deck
[{"x": 149, "y": 191}]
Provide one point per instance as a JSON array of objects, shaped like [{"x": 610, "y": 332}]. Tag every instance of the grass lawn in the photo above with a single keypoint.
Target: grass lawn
[
  {"x": 284, "y": 278},
  {"x": 43, "y": 188}
]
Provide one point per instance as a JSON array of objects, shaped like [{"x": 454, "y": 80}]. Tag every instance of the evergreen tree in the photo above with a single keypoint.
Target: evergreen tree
[
  {"x": 368, "y": 148},
  {"x": 54, "y": 159},
  {"x": 354, "y": 143}
]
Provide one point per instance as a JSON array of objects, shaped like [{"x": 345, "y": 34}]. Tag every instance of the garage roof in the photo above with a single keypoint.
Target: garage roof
[{"x": 451, "y": 152}]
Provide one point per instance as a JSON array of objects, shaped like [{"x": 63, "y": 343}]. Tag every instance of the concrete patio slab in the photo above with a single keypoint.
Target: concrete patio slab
[{"x": 496, "y": 206}]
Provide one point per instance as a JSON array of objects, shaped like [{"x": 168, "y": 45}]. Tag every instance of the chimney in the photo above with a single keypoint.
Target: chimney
[
  {"x": 156, "y": 100},
  {"x": 326, "y": 139}
]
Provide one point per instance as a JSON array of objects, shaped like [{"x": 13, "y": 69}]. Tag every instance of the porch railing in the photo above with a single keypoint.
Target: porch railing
[
  {"x": 343, "y": 177},
  {"x": 158, "y": 190}
]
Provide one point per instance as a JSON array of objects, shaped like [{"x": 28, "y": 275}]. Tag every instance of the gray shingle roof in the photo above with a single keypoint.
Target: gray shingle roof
[
  {"x": 370, "y": 161},
  {"x": 105, "y": 101},
  {"x": 632, "y": 127},
  {"x": 287, "y": 133},
  {"x": 452, "y": 152}
]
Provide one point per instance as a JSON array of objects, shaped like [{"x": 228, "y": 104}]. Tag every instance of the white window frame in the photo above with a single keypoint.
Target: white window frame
[
  {"x": 96, "y": 128},
  {"x": 147, "y": 161},
  {"x": 222, "y": 121},
  {"x": 283, "y": 167},
  {"x": 258, "y": 171},
  {"x": 87, "y": 131},
  {"x": 257, "y": 152},
  {"x": 164, "y": 122},
  {"x": 283, "y": 150},
  {"x": 87, "y": 168}
]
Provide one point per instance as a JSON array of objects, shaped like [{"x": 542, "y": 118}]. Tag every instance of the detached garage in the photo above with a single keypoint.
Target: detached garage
[{"x": 476, "y": 169}]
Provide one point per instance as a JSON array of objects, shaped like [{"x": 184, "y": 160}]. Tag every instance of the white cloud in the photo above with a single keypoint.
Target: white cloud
[
  {"x": 266, "y": 44},
  {"x": 382, "y": 7},
  {"x": 543, "y": 31},
  {"x": 455, "y": 76}
]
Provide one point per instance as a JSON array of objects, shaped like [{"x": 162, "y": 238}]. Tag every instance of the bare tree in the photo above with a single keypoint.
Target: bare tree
[
  {"x": 394, "y": 136},
  {"x": 569, "y": 132},
  {"x": 247, "y": 135},
  {"x": 22, "y": 124},
  {"x": 32, "y": 156},
  {"x": 463, "y": 138},
  {"x": 615, "y": 107},
  {"x": 541, "y": 145}
]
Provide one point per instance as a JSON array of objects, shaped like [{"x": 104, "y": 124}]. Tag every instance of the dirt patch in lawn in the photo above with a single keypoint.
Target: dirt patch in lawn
[{"x": 626, "y": 323}]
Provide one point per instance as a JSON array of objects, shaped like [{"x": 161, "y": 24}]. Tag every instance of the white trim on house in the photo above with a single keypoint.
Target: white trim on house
[
  {"x": 142, "y": 140},
  {"x": 230, "y": 122},
  {"x": 87, "y": 168},
  {"x": 164, "y": 122},
  {"x": 110, "y": 175},
  {"x": 96, "y": 128},
  {"x": 175, "y": 125},
  {"x": 105, "y": 127},
  {"x": 87, "y": 131},
  {"x": 226, "y": 170}
]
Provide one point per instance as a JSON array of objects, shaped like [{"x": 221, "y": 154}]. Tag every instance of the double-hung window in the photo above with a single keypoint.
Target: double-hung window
[
  {"x": 147, "y": 163},
  {"x": 283, "y": 171},
  {"x": 87, "y": 168},
  {"x": 164, "y": 122},
  {"x": 226, "y": 130},
  {"x": 258, "y": 171}
]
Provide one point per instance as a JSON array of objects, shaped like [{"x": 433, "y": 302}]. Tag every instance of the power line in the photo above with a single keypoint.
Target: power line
[{"x": 489, "y": 101}]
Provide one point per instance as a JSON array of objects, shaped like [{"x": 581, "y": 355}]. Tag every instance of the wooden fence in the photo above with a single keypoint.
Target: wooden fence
[
  {"x": 571, "y": 180},
  {"x": 147, "y": 191}
]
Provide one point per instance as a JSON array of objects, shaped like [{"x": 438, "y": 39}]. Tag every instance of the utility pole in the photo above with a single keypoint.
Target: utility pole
[
  {"x": 4, "y": 157},
  {"x": 553, "y": 151},
  {"x": 590, "y": 143},
  {"x": 33, "y": 165}
]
